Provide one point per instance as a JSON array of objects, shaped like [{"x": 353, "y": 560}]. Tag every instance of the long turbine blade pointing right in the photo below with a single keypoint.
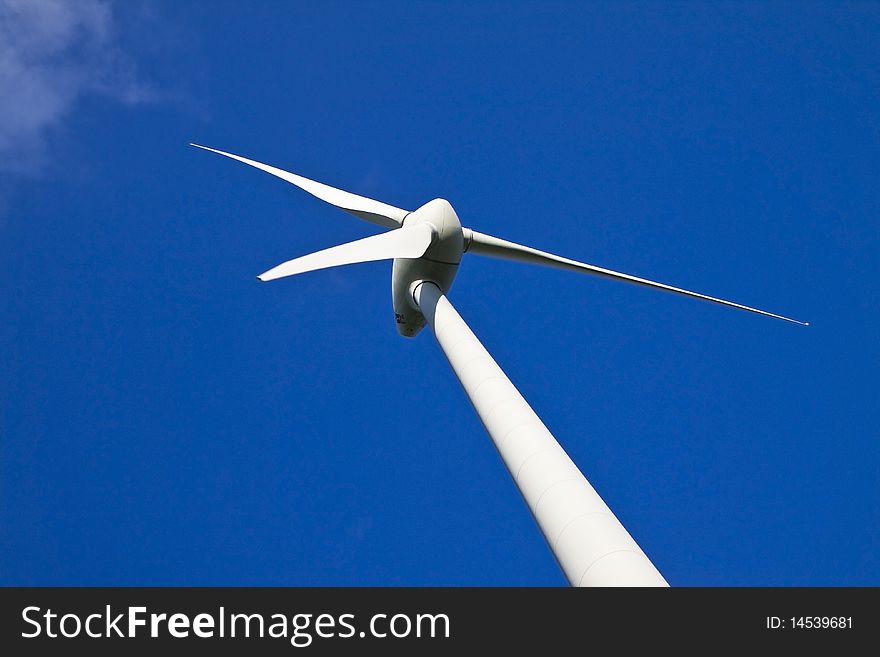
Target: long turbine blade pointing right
[
  {"x": 408, "y": 242},
  {"x": 492, "y": 246},
  {"x": 364, "y": 208}
]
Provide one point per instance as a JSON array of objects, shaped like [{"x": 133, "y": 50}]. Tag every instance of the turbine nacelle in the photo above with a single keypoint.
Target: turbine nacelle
[{"x": 439, "y": 263}]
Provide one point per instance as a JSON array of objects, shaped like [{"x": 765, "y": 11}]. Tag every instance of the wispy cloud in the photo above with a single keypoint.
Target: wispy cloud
[{"x": 53, "y": 53}]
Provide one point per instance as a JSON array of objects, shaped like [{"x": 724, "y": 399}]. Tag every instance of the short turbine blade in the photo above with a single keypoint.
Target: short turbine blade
[
  {"x": 364, "y": 208},
  {"x": 408, "y": 242},
  {"x": 482, "y": 244}
]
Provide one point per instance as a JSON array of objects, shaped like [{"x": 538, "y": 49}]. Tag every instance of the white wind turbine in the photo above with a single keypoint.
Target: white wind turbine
[{"x": 426, "y": 245}]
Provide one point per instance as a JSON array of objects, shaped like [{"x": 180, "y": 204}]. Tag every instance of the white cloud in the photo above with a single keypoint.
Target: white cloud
[{"x": 52, "y": 53}]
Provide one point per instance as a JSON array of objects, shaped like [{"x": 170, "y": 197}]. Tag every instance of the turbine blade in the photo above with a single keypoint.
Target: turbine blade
[
  {"x": 364, "y": 208},
  {"x": 487, "y": 245},
  {"x": 408, "y": 242}
]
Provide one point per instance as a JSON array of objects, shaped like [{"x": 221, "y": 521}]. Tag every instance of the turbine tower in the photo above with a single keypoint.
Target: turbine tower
[{"x": 426, "y": 245}]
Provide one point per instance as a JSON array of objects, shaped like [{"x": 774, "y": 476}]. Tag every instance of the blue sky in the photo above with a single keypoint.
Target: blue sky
[{"x": 166, "y": 419}]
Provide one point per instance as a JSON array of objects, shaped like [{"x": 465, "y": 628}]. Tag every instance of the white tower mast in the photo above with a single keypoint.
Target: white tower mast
[{"x": 589, "y": 542}]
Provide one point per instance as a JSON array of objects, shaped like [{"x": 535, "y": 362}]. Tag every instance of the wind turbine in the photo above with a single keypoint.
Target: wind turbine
[{"x": 426, "y": 246}]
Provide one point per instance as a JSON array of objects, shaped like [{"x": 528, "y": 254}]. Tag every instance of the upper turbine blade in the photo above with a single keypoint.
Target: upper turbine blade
[
  {"x": 408, "y": 242},
  {"x": 361, "y": 207},
  {"x": 492, "y": 246}
]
